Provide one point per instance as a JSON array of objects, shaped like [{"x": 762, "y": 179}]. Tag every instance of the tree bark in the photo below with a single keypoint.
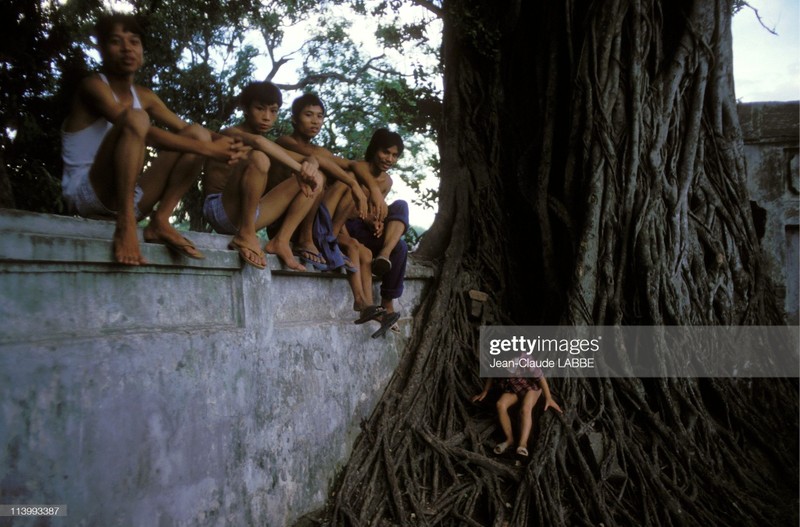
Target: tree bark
[{"x": 592, "y": 174}]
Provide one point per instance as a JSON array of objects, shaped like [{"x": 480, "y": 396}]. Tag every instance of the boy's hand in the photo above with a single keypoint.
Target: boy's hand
[
  {"x": 309, "y": 177},
  {"x": 360, "y": 200},
  {"x": 550, "y": 403},
  {"x": 378, "y": 206},
  {"x": 309, "y": 171},
  {"x": 377, "y": 228},
  {"x": 227, "y": 149}
]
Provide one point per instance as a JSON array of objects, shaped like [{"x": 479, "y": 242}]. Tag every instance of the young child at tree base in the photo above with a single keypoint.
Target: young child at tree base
[
  {"x": 517, "y": 389},
  {"x": 103, "y": 148},
  {"x": 236, "y": 198}
]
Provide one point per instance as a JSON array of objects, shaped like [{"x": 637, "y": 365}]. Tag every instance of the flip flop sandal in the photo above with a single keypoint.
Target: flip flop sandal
[
  {"x": 234, "y": 246},
  {"x": 522, "y": 451},
  {"x": 370, "y": 313},
  {"x": 314, "y": 259},
  {"x": 180, "y": 248},
  {"x": 380, "y": 266},
  {"x": 348, "y": 266},
  {"x": 387, "y": 321},
  {"x": 501, "y": 447}
]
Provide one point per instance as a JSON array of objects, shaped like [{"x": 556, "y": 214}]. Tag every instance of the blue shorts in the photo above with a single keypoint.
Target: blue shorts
[{"x": 216, "y": 216}]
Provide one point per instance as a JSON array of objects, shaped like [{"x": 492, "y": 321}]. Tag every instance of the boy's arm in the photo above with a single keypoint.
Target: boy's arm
[
  {"x": 332, "y": 165},
  {"x": 548, "y": 399},
  {"x": 224, "y": 149},
  {"x": 377, "y": 195},
  {"x": 306, "y": 167}
]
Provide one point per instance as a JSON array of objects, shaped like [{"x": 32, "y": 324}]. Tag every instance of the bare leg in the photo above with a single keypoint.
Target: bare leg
[
  {"x": 360, "y": 257},
  {"x": 305, "y": 233},
  {"x": 354, "y": 279},
  {"x": 526, "y": 416},
  {"x": 345, "y": 209},
  {"x": 165, "y": 183},
  {"x": 365, "y": 272},
  {"x": 284, "y": 197},
  {"x": 122, "y": 155},
  {"x": 506, "y": 401},
  {"x": 240, "y": 198},
  {"x": 391, "y": 235}
]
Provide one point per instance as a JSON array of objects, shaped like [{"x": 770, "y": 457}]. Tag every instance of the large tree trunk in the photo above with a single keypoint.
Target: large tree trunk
[{"x": 591, "y": 174}]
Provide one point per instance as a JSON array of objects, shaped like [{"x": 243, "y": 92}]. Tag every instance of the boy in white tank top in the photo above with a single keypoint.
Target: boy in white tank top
[{"x": 104, "y": 139}]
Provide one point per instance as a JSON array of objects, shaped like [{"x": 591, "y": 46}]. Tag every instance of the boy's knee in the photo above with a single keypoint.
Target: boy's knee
[
  {"x": 259, "y": 160},
  {"x": 136, "y": 121},
  {"x": 399, "y": 208}
]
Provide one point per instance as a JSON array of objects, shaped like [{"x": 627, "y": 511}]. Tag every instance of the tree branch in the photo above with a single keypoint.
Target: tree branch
[
  {"x": 430, "y": 6},
  {"x": 315, "y": 78}
]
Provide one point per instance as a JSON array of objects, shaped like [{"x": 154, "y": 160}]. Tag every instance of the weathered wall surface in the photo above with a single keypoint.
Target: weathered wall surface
[
  {"x": 771, "y": 138},
  {"x": 180, "y": 393}
]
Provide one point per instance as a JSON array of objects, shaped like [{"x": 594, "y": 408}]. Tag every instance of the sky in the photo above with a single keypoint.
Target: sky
[{"x": 766, "y": 67}]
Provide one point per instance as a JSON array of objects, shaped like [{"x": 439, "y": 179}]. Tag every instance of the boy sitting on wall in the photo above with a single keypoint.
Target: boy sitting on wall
[
  {"x": 237, "y": 199},
  {"x": 103, "y": 148}
]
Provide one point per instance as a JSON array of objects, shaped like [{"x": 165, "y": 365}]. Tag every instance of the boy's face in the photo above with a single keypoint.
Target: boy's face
[
  {"x": 260, "y": 117},
  {"x": 123, "y": 53},
  {"x": 385, "y": 158},
  {"x": 309, "y": 121}
]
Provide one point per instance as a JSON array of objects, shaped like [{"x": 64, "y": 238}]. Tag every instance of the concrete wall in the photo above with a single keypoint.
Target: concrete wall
[
  {"x": 181, "y": 393},
  {"x": 771, "y": 139}
]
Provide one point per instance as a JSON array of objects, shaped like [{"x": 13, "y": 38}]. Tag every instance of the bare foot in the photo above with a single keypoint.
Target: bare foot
[
  {"x": 250, "y": 250},
  {"x": 126, "y": 245},
  {"x": 283, "y": 251},
  {"x": 159, "y": 232}
]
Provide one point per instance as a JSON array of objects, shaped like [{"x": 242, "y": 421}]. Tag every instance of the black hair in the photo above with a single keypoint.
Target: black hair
[
  {"x": 383, "y": 138},
  {"x": 106, "y": 22},
  {"x": 263, "y": 92},
  {"x": 304, "y": 101}
]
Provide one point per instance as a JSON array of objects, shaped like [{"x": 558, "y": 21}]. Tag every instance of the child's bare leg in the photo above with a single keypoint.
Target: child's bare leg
[
  {"x": 361, "y": 258},
  {"x": 506, "y": 401},
  {"x": 305, "y": 233},
  {"x": 165, "y": 183},
  {"x": 345, "y": 210},
  {"x": 365, "y": 272},
  {"x": 354, "y": 279},
  {"x": 121, "y": 154},
  {"x": 526, "y": 416},
  {"x": 241, "y": 197},
  {"x": 284, "y": 197}
]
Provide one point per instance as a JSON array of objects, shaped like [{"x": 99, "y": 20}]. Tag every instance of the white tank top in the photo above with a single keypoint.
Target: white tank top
[{"x": 78, "y": 149}]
